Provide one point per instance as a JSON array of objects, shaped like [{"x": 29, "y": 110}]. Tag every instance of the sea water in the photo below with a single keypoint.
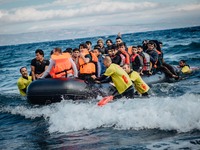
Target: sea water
[{"x": 169, "y": 119}]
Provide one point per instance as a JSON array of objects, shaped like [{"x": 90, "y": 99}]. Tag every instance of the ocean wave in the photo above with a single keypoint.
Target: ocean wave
[{"x": 181, "y": 114}]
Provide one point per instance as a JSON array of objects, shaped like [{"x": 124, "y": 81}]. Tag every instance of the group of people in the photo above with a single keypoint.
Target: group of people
[{"x": 116, "y": 63}]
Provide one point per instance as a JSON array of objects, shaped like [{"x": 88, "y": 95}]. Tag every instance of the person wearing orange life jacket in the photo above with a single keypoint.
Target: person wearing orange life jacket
[
  {"x": 61, "y": 65},
  {"x": 87, "y": 63},
  {"x": 146, "y": 61},
  {"x": 122, "y": 49},
  {"x": 136, "y": 61}
]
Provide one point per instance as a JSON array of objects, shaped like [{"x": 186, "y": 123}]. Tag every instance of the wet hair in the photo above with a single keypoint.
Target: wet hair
[
  {"x": 83, "y": 45},
  {"x": 68, "y": 50},
  {"x": 22, "y": 68},
  {"x": 183, "y": 61},
  {"x": 88, "y": 42},
  {"x": 40, "y": 52}
]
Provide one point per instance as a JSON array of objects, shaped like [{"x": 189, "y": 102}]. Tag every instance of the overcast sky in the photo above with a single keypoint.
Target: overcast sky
[{"x": 22, "y": 16}]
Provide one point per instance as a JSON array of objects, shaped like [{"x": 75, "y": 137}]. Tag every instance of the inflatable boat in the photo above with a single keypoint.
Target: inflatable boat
[{"x": 45, "y": 91}]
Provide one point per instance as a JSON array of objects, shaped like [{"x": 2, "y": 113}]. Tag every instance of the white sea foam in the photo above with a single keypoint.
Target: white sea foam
[{"x": 169, "y": 113}]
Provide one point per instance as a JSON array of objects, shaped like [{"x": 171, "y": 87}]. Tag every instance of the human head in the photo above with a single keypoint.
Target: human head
[
  {"x": 83, "y": 46},
  {"x": 75, "y": 52},
  {"x": 182, "y": 63},
  {"x": 121, "y": 46},
  {"x": 151, "y": 45},
  {"x": 100, "y": 42},
  {"x": 140, "y": 48},
  {"x": 57, "y": 51},
  {"x": 107, "y": 61},
  {"x": 109, "y": 42},
  {"x": 39, "y": 54},
  {"x": 161, "y": 44},
  {"x": 127, "y": 68},
  {"x": 68, "y": 50},
  {"x": 134, "y": 50},
  {"x": 24, "y": 72},
  {"x": 96, "y": 50},
  {"x": 118, "y": 40},
  {"x": 89, "y": 44}
]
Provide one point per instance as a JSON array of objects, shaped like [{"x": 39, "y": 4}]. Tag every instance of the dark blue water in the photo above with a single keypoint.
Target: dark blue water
[{"x": 170, "y": 119}]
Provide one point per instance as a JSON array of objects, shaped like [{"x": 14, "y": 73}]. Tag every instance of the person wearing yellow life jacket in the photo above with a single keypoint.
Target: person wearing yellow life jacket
[
  {"x": 61, "y": 65},
  {"x": 24, "y": 81},
  {"x": 184, "y": 68},
  {"x": 119, "y": 77},
  {"x": 87, "y": 63},
  {"x": 141, "y": 87}
]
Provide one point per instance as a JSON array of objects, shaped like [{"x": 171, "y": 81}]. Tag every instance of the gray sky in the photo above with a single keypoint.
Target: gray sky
[{"x": 22, "y": 16}]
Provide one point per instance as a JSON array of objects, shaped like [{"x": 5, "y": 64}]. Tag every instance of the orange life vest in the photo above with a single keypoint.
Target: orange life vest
[
  {"x": 133, "y": 56},
  {"x": 127, "y": 56},
  {"x": 130, "y": 50},
  {"x": 62, "y": 65},
  {"x": 88, "y": 68}
]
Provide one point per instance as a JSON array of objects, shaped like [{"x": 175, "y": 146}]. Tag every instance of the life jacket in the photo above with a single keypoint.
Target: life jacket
[
  {"x": 123, "y": 59},
  {"x": 62, "y": 65},
  {"x": 127, "y": 56},
  {"x": 90, "y": 67},
  {"x": 130, "y": 50},
  {"x": 146, "y": 62},
  {"x": 133, "y": 56}
]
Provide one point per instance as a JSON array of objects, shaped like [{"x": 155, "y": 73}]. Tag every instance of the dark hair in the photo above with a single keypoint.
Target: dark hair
[
  {"x": 68, "y": 50},
  {"x": 97, "y": 47},
  {"x": 183, "y": 61},
  {"x": 40, "y": 52},
  {"x": 88, "y": 42},
  {"x": 76, "y": 49},
  {"x": 21, "y": 69},
  {"x": 114, "y": 46},
  {"x": 109, "y": 40},
  {"x": 151, "y": 43},
  {"x": 83, "y": 45},
  {"x": 118, "y": 38},
  {"x": 134, "y": 46},
  {"x": 139, "y": 46},
  {"x": 121, "y": 44},
  {"x": 58, "y": 49}
]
